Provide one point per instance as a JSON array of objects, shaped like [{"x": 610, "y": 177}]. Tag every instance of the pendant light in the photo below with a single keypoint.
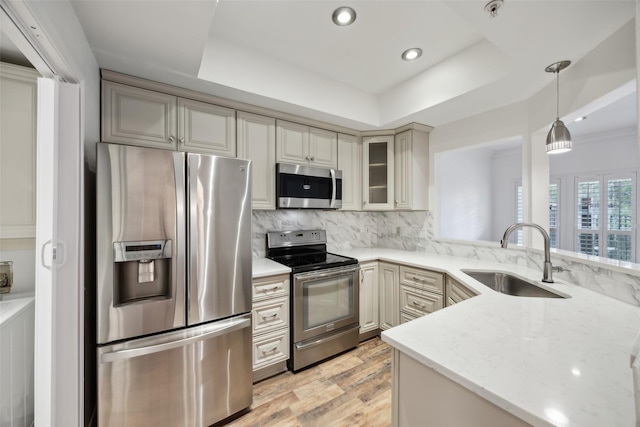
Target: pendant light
[{"x": 558, "y": 138}]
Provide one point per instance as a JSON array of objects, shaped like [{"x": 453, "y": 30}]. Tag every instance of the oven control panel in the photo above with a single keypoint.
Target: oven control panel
[{"x": 277, "y": 239}]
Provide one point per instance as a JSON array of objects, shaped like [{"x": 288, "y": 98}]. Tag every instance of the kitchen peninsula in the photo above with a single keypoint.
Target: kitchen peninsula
[{"x": 533, "y": 361}]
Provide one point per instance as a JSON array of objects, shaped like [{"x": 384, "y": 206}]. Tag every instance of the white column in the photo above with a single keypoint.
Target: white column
[{"x": 535, "y": 186}]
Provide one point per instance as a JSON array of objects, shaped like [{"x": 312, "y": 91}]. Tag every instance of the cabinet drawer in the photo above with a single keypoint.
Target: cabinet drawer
[
  {"x": 457, "y": 292},
  {"x": 405, "y": 317},
  {"x": 270, "y": 348},
  {"x": 270, "y": 314},
  {"x": 268, "y": 287},
  {"x": 419, "y": 303},
  {"x": 422, "y": 279}
]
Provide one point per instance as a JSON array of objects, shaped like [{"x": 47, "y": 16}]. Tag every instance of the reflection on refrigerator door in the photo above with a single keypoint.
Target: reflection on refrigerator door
[
  {"x": 191, "y": 377},
  {"x": 159, "y": 361}
]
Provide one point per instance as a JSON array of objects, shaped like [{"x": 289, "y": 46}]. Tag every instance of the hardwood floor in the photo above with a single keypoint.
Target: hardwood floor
[{"x": 353, "y": 389}]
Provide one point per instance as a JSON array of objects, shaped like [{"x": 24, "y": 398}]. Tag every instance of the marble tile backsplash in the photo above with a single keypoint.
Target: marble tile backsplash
[{"x": 413, "y": 231}]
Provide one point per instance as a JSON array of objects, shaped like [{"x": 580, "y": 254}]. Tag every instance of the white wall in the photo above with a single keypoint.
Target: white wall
[
  {"x": 464, "y": 179},
  {"x": 506, "y": 170}
]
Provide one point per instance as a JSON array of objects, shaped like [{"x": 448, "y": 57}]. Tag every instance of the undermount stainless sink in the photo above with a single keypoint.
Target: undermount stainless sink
[{"x": 510, "y": 285}]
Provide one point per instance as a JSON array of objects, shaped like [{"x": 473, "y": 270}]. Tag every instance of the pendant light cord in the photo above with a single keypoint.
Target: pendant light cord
[{"x": 558, "y": 95}]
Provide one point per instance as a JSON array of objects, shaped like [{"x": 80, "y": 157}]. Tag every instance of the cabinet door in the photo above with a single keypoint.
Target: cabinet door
[
  {"x": 18, "y": 108},
  {"x": 388, "y": 288},
  {"x": 457, "y": 292},
  {"x": 257, "y": 142},
  {"x": 350, "y": 163},
  {"x": 368, "y": 297},
  {"x": 206, "y": 128},
  {"x": 378, "y": 173},
  {"x": 323, "y": 148},
  {"x": 403, "y": 172},
  {"x": 135, "y": 116},
  {"x": 292, "y": 143}
]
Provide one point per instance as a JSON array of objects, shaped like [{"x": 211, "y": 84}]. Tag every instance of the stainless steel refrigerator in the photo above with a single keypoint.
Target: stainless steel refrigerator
[{"x": 173, "y": 287}]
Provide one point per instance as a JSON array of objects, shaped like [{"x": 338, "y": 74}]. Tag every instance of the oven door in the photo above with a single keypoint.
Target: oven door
[{"x": 324, "y": 301}]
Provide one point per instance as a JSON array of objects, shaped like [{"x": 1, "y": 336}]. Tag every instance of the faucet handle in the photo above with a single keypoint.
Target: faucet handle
[{"x": 559, "y": 269}]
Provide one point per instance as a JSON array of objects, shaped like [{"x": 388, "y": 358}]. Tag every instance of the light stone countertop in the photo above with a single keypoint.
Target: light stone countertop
[
  {"x": 12, "y": 307},
  {"x": 263, "y": 267},
  {"x": 548, "y": 361}
]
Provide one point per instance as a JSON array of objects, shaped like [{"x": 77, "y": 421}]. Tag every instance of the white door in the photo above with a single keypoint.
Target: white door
[{"x": 58, "y": 365}]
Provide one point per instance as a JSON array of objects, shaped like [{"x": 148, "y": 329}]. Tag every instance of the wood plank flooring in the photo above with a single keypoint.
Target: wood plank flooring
[{"x": 353, "y": 389}]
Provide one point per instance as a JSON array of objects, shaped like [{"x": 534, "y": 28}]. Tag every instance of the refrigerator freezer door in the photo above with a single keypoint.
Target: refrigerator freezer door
[
  {"x": 140, "y": 241},
  {"x": 192, "y": 377},
  {"x": 219, "y": 272}
]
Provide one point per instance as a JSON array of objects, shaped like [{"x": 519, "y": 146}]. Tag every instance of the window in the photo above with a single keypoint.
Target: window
[
  {"x": 519, "y": 241},
  {"x": 606, "y": 229},
  {"x": 554, "y": 217},
  {"x": 553, "y": 213}
]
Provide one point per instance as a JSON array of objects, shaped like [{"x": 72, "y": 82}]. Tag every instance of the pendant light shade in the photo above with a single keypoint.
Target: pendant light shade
[{"x": 558, "y": 138}]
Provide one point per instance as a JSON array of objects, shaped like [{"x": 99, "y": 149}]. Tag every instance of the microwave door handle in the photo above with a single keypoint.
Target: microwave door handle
[{"x": 333, "y": 188}]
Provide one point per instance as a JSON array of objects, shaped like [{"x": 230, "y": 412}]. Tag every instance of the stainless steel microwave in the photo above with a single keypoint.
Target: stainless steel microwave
[{"x": 307, "y": 187}]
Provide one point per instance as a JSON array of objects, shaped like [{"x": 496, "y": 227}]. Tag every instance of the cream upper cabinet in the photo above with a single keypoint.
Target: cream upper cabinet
[
  {"x": 350, "y": 163},
  {"x": 411, "y": 154},
  {"x": 389, "y": 309},
  {"x": 137, "y": 116},
  {"x": 378, "y": 175},
  {"x": 323, "y": 148},
  {"x": 257, "y": 142},
  {"x": 18, "y": 109},
  {"x": 369, "y": 315},
  {"x": 206, "y": 128},
  {"x": 301, "y": 144}
]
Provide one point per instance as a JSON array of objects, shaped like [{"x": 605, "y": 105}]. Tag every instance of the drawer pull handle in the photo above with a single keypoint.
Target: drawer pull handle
[
  {"x": 272, "y": 316},
  {"x": 416, "y": 303},
  {"x": 273, "y": 288},
  {"x": 271, "y": 350}
]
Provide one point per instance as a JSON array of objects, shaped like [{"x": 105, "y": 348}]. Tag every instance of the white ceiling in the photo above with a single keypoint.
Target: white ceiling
[{"x": 288, "y": 55}]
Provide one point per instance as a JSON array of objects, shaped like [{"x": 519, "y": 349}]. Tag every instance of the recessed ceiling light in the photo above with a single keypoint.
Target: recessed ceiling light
[
  {"x": 344, "y": 16},
  {"x": 411, "y": 54},
  {"x": 579, "y": 119}
]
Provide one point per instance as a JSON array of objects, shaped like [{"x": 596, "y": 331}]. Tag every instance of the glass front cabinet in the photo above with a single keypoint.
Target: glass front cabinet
[{"x": 378, "y": 172}]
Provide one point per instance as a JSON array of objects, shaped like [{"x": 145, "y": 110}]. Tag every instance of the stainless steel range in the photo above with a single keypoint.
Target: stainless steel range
[{"x": 324, "y": 295}]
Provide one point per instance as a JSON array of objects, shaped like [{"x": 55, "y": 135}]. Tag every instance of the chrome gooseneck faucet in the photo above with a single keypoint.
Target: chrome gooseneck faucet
[{"x": 547, "y": 269}]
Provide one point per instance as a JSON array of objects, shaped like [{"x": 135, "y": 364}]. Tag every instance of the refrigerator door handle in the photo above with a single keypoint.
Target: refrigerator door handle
[{"x": 224, "y": 328}]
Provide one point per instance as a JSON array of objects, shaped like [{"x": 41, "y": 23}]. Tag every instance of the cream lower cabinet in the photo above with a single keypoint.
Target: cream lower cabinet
[
  {"x": 457, "y": 292},
  {"x": 369, "y": 316},
  {"x": 18, "y": 118},
  {"x": 421, "y": 292},
  {"x": 257, "y": 142},
  {"x": 136, "y": 116},
  {"x": 270, "y": 324},
  {"x": 388, "y": 287},
  {"x": 423, "y": 397}
]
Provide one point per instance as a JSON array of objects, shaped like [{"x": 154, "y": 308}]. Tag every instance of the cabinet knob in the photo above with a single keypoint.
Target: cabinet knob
[
  {"x": 306, "y": 158},
  {"x": 171, "y": 139},
  {"x": 312, "y": 159},
  {"x": 181, "y": 140}
]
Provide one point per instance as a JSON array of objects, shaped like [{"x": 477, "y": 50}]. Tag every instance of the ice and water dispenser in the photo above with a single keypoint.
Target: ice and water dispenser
[{"x": 142, "y": 271}]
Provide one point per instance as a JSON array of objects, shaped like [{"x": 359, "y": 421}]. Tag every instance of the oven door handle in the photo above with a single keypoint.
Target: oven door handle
[
  {"x": 334, "y": 190},
  {"x": 313, "y": 275}
]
